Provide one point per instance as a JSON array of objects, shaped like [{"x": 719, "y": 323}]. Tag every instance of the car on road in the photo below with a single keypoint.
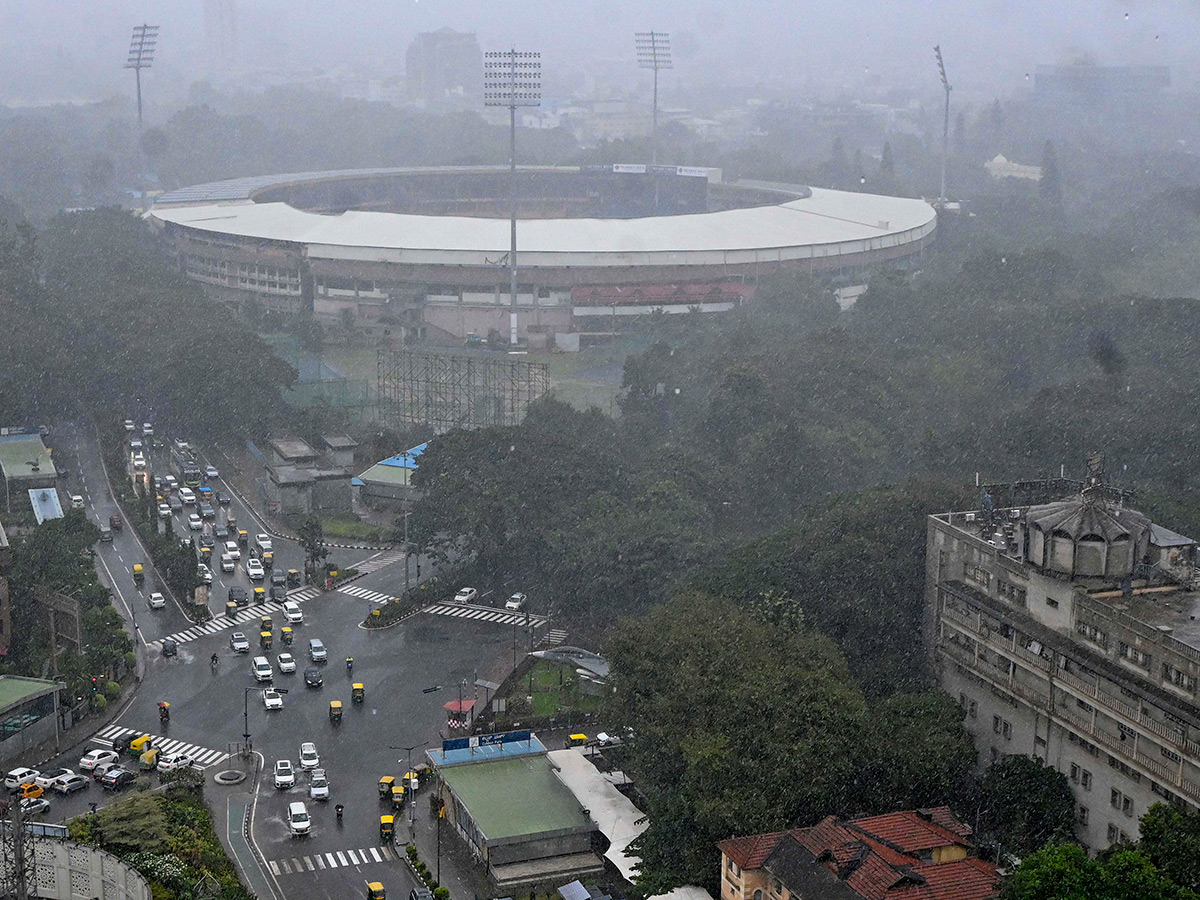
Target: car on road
[
  {"x": 115, "y": 522},
  {"x": 299, "y": 822},
  {"x": 313, "y": 677},
  {"x": 116, "y": 778},
  {"x": 263, "y": 542},
  {"x": 272, "y": 699},
  {"x": 466, "y": 595},
  {"x": 195, "y": 522},
  {"x": 420, "y": 893},
  {"x": 211, "y": 472},
  {"x": 232, "y": 548},
  {"x": 172, "y": 761},
  {"x": 261, "y": 667},
  {"x": 45, "y": 779},
  {"x": 285, "y": 775},
  {"x": 207, "y": 511},
  {"x": 238, "y": 643},
  {"x": 187, "y": 495},
  {"x": 318, "y": 785},
  {"x": 254, "y": 569},
  {"x": 227, "y": 563},
  {"x": 604, "y": 739},
  {"x": 171, "y": 482},
  {"x": 76, "y": 501},
  {"x": 139, "y": 461},
  {"x": 309, "y": 759},
  {"x": 169, "y": 647},
  {"x": 516, "y": 601},
  {"x": 93, "y": 758},
  {"x": 20, "y": 776},
  {"x": 204, "y": 573},
  {"x": 102, "y": 768},
  {"x": 69, "y": 784},
  {"x": 316, "y": 650},
  {"x": 223, "y": 498},
  {"x": 286, "y": 662},
  {"x": 164, "y": 510},
  {"x": 156, "y": 600},
  {"x": 278, "y": 578},
  {"x": 174, "y": 503},
  {"x": 34, "y": 806},
  {"x": 292, "y": 612},
  {"x": 221, "y": 532},
  {"x": 238, "y": 595},
  {"x": 129, "y": 426},
  {"x": 147, "y": 429}
]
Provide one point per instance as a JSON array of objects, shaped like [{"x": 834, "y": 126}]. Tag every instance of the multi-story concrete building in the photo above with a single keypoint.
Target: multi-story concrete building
[
  {"x": 1068, "y": 631},
  {"x": 445, "y": 64}
]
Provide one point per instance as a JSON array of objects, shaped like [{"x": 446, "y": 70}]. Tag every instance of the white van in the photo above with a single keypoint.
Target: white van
[
  {"x": 262, "y": 669},
  {"x": 187, "y": 495},
  {"x": 298, "y": 821},
  {"x": 291, "y": 612},
  {"x": 76, "y": 501}
]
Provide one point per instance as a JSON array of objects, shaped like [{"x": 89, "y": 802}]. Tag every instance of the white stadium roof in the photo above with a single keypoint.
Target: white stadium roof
[{"x": 827, "y": 223}]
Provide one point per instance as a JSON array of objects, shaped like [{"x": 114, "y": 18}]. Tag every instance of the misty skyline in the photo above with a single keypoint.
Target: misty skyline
[{"x": 827, "y": 47}]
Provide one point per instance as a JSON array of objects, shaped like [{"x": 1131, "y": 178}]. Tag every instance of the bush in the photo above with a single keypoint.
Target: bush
[
  {"x": 112, "y": 690},
  {"x": 411, "y": 850},
  {"x": 441, "y": 893},
  {"x": 99, "y": 704}
]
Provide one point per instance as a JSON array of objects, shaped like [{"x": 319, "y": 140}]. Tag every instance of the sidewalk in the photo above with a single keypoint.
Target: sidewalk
[{"x": 461, "y": 872}]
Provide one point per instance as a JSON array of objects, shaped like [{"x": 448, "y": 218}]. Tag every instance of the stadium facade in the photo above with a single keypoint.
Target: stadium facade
[{"x": 421, "y": 248}]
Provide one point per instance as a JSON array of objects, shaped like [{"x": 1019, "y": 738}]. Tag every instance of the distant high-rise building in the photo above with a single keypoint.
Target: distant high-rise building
[
  {"x": 444, "y": 64},
  {"x": 220, "y": 34}
]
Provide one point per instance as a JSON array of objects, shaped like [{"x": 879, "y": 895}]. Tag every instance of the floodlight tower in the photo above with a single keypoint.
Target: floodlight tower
[
  {"x": 937, "y": 52},
  {"x": 141, "y": 56},
  {"x": 653, "y": 52},
  {"x": 512, "y": 78}
]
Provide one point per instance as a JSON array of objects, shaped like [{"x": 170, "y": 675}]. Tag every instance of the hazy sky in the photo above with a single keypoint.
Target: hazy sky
[{"x": 73, "y": 49}]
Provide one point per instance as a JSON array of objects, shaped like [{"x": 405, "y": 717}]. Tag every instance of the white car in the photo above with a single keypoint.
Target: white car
[
  {"x": 211, "y": 472},
  {"x": 466, "y": 595},
  {"x": 286, "y": 662},
  {"x": 164, "y": 510},
  {"x": 298, "y": 819},
  {"x": 45, "y": 779},
  {"x": 272, "y": 699},
  {"x": 93, "y": 758},
  {"x": 157, "y": 600},
  {"x": 261, "y": 667},
  {"x": 227, "y": 563},
  {"x": 187, "y": 495},
  {"x": 32, "y": 806},
  {"x": 204, "y": 572},
  {"x": 263, "y": 542},
  {"x": 147, "y": 429},
  {"x": 515, "y": 602},
  {"x": 195, "y": 522},
  {"x": 318, "y": 785},
  {"x": 171, "y": 482},
  {"x": 292, "y": 612},
  {"x": 285, "y": 775},
  {"x": 129, "y": 425},
  {"x": 308, "y": 756},
  {"x": 255, "y": 570},
  {"x": 231, "y": 547},
  {"x": 139, "y": 461},
  {"x": 238, "y": 642},
  {"x": 18, "y": 777},
  {"x": 172, "y": 761}
]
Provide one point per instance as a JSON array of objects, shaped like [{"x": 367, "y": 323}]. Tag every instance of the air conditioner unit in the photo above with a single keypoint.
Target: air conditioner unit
[
  {"x": 1014, "y": 514},
  {"x": 970, "y": 517}
]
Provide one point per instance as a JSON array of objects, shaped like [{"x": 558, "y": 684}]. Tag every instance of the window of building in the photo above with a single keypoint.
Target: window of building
[
  {"x": 1074, "y": 773},
  {"x": 1132, "y": 773},
  {"x": 733, "y": 868},
  {"x": 978, "y": 574},
  {"x": 1124, "y": 838},
  {"x": 1085, "y": 779},
  {"x": 1006, "y": 730},
  {"x": 776, "y": 886},
  {"x": 758, "y": 895},
  {"x": 1094, "y": 634},
  {"x": 1115, "y": 799},
  {"x": 1052, "y": 603},
  {"x": 1114, "y": 834},
  {"x": 996, "y": 722},
  {"x": 1179, "y": 678},
  {"x": 1082, "y": 815},
  {"x": 993, "y": 755},
  {"x": 1127, "y": 805},
  {"x": 1132, "y": 654},
  {"x": 973, "y": 709}
]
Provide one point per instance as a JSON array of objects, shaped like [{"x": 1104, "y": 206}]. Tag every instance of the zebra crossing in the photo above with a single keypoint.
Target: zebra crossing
[
  {"x": 304, "y": 593},
  {"x": 203, "y": 756},
  {"x": 367, "y": 594},
  {"x": 336, "y": 859},
  {"x": 222, "y": 621},
  {"x": 378, "y": 561},
  {"x": 554, "y": 637},
  {"x": 485, "y": 614}
]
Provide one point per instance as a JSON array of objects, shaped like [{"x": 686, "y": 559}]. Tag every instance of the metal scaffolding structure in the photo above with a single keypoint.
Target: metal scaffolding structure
[{"x": 448, "y": 391}]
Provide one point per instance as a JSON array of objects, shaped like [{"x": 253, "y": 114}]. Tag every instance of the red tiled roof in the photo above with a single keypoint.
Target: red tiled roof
[
  {"x": 965, "y": 879},
  {"x": 911, "y": 832},
  {"x": 750, "y": 852}
]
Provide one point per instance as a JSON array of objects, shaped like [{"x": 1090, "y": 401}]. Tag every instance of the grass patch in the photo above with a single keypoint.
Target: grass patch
[{"x": 555, "y": 690}]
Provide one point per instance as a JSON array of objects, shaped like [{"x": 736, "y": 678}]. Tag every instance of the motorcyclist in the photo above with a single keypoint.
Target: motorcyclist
[
  {"x": 349, "y": 663},
  {"x": 213, "y": 660},
  {"x": 338, "y": 809}
]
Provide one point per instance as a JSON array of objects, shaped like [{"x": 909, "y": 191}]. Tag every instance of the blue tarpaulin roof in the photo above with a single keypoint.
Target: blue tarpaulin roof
[{"x": 405, "y": 460}]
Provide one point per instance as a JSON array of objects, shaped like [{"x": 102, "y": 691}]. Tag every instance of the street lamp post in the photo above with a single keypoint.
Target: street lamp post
[
  {"x": 406, "y": 514},
  {"x": 512, "y": 78},
  {"x": 141, "y": 56},
  {"x": 937, "y": 52},
  {"x": 653, "y": 52}
]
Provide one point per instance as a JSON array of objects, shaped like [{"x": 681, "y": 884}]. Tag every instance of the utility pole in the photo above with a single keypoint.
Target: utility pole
[
  {"x": 512, "y": 79},
  {"x": 937, "y": 52},
  {"x": 653, "y": 52},
  {"x": 406, "y": 513}
]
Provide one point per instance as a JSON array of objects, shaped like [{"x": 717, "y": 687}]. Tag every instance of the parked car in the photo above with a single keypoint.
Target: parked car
[
  {"x": 33, "y": 806},
  {"x": 45, "y": 779},
  {"x": 272, "y": 699},
  {"x": 116, "y": 778},
  {"x": 172, "y": 761},
  {"x": 285, "y": 775},
  {"x": 466, "y": 595},
  {"x": 157, "y": 600},
  {"x": 286, "y": 662},
  {"x": 93, "y": 758},
  {"x": 69, "y": 784},
  {"x": 20, "y": 776},
  {"x": 238, "y": 643}
]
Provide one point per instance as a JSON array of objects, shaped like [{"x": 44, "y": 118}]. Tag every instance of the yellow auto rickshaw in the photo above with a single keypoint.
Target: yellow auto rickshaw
[
  {"x": 359, "y": 692},
  {"x": 385, "y": 787},
  {"x": 397, "y": 796},
  {"x": 335, "y": 711},
  {"x": 293, "y": 578},
  {"x": 140, "y": 745},
  {"x": 264, "y": 640},
  {"x": 260, "y": 595},
  {"x": 268, "y": 559},
  {"x": 387, "y": 830},
  {"x": 577, "y": 740},
  {"x": 266, "y": 623},
  {"x": 139, "y": 573},
  {"x": 375, "y": 889},
  {"x": 287, "y": 634},
  {"x": 243, "y": 537},
  {"x": 148, "y": 761}
]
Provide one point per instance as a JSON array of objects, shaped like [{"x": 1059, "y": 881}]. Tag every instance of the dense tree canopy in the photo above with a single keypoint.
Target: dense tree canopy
[{"x": 1064, "y": 872}]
